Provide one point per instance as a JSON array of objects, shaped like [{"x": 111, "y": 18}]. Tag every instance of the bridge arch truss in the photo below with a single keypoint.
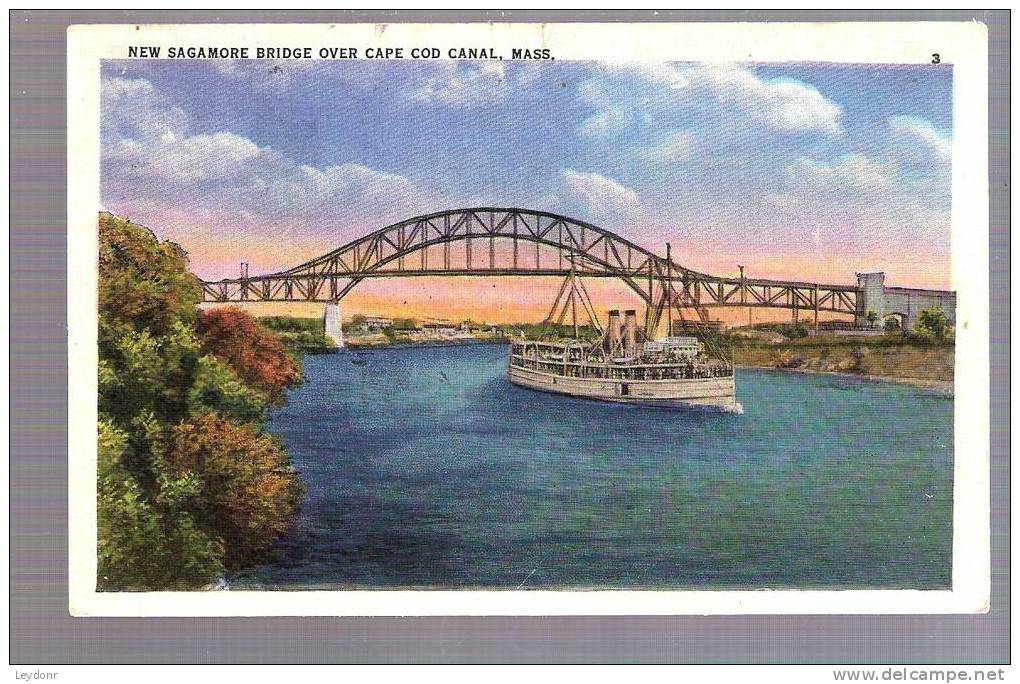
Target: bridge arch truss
[{"x": 523, "y": 242}]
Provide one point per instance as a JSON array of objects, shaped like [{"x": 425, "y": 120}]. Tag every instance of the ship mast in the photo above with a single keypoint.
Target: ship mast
[
  {"x": 570, "y": 293},
  {"x": 669, "y": 285},
  {"x": 573, "y": 302}
]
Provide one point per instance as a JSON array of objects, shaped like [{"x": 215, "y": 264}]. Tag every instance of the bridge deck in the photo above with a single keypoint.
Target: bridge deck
[{"x": 531, "y": 243}]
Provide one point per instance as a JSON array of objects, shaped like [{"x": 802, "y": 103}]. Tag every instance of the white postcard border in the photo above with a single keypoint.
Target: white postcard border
[{"x": 962, "y": 44}]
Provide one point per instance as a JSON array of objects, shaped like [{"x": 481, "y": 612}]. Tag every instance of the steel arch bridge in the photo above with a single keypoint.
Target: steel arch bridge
[{"x": 531, "y": 243}]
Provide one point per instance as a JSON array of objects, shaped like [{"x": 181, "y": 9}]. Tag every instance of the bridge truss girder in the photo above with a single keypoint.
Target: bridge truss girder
[{"x": 422, "y": 247}]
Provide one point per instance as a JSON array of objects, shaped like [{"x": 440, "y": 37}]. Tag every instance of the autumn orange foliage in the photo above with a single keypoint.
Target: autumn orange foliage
[
  {"x": 255, "y": 354},
  {"x": 249, "y": 493}
]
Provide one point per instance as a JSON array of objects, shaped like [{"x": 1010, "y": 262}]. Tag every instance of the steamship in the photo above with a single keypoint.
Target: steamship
[{"x": 676, "y": 371}]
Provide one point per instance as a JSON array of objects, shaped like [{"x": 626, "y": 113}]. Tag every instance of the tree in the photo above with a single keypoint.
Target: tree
[
  {"x": 872, "y": 318},
  {"x": 144, "y": 284},
  {"x": 216, "y": 388},
  {"x": 247, "y": 494},
  {"x": 932, "y": 323},
  {"x": 187, "y": 483},
  {"x": 172, "y": 377},
  {"x": 142, "y": 546},
  {"x": 147, "y": 348},
  {"x": 255, "y": 354},
  {"x": 404, "y": 324}
]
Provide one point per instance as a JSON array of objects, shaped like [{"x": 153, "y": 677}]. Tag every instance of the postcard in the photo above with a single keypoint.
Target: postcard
[{"x": 536, "y": 319}]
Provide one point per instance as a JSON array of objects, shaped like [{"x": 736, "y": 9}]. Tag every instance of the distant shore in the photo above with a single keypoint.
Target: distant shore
[
  {"x": 939, "y": 386},
  {"x": 881, "y": 358},
  {"x": 888, "y": 359},
  {"x": 944, "y": 387},
  {"x": 355, "y": 346}
]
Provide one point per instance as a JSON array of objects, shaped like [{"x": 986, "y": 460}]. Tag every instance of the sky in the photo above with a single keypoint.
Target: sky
[{"x": 806, "y": 171}]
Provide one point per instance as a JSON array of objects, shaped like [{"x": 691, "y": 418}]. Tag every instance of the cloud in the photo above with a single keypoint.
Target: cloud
[
  {"x": 273, "y": 75},
  {"x": 129, "y": 111},
  {"x": 458, "y": 83},
  {"x": 783, "y": 106},
  {"x": 852, "y": 175},
  {"x": 864, "y": 201},
  {"x": 187, "y": 160},
  {"x": 118, "y": 90},
  {"x": 602, "y": 195},
  {"x": 914, "y": 145},
  {"x": 464, "y": 84},
  {"x": 910, "y": 167},
  {"x": 673, "y": 148},
  {"x": 711, "y": 98},
  {"x": 155, "y": 168},
  {"x": 704, "y": 133},
  {"x": 310, "y": 192},
  {"x": 753, "y": 163},
  {"x": 593, "y": 197}
]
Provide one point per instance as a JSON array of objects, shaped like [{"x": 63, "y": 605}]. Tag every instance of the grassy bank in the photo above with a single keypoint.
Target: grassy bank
[
  {"x": 891, "y": 357},
  {"x": 303, "y": 335}
]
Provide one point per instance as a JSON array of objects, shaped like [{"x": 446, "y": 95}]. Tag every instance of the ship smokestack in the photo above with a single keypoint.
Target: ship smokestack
[
  {"x": 614, "y": 330},
  {"x": 630, "y": 331}
]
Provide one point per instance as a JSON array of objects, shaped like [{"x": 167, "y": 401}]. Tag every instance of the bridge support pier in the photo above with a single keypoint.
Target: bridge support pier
[{"x": 332, "y": 327}]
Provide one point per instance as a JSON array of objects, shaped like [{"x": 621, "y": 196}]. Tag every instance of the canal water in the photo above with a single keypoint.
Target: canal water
[{"x": 425, "y": 467}]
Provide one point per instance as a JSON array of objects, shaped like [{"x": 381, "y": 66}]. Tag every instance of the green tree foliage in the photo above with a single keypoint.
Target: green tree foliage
[
  {"x": 791, "y": 330},
  {"x": 165, "y": 519},
  {"x": 291, "y": 324},
  {"x": 299, "y": 335},
  {"x": 932, "y": 324},
  {"x": 216, "y": 387},
  {"x": 797, "y": 331},
  {"x": 404, "y": 324},
  {"x": 141, "y": 546},
  {"x": 552, "y": 331},
  {"x": 144, "y": 284}
]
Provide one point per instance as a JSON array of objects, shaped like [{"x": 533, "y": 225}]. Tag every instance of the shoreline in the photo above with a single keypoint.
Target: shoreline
[
  {"x": 413, "y": 345},
  {"x": 944, "y": 387}
]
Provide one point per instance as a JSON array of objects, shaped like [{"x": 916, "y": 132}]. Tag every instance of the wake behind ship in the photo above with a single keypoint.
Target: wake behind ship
[{"x": 673, "y": 372}]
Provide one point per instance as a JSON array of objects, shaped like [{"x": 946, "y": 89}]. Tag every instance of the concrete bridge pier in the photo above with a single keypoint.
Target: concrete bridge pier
[{"x": 331, "y": 324}]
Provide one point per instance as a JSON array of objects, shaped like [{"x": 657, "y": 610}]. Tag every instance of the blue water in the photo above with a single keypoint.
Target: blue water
[{"x": 425, "y": 467}]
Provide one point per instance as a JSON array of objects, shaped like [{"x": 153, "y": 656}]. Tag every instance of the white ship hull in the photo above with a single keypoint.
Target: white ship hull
[{"x": 718, "y": 391}]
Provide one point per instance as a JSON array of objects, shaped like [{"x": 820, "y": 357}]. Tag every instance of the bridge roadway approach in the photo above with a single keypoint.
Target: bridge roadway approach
[{"x": 525, "y": 242}]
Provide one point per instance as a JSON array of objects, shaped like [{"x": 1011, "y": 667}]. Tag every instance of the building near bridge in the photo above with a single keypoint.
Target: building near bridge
[
  {"x": 902, "y": 303},
  {"x": 377, "y": 322}
]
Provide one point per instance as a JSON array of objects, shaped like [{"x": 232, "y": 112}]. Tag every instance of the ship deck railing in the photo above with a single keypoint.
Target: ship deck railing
[{"x": 648, "y": 371}]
